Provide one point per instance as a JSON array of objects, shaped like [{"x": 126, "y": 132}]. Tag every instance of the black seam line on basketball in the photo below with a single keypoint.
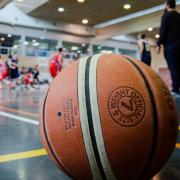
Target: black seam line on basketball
[
  {"x": 90, "y": 122},
  {"x": 155, "y": 117},
  {"x": 47, "y": 140},
  {"x": 80, "y": 117}
]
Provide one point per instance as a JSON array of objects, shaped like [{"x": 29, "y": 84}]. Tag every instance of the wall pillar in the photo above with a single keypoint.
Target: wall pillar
[{"x": 23, "y": 46}]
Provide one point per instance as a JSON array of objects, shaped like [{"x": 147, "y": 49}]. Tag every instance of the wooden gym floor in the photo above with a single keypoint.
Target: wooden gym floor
[{"x": 22, "y": 156}]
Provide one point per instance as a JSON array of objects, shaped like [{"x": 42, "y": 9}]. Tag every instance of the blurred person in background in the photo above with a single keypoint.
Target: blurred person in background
[
  {"x": 170, "y": 39},
  {"x": 7, "y": 62},
  {"x": 29, "y": 78},
  {"x": 13, "y": 71},
  {"x": 1, "y": 73},
  {"x": 36, "y": 74},
  {"x": 56, "y": 63},
  {"x": 23, "y": 72},
  {"x": 78, "y": 56},
  {"x": 144, "y": 46}
]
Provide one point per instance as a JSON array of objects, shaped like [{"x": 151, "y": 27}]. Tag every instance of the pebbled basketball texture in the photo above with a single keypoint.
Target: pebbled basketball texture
[{"x": 109, "y": 117}]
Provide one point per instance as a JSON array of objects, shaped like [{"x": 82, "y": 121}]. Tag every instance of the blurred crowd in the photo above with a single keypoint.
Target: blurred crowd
[{"x": 12, "y": 75}]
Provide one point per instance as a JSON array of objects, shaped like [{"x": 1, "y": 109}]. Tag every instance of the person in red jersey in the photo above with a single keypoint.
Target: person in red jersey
[
  {"x": 56, "y": 63},
  {"x": 1, "y": 72}
]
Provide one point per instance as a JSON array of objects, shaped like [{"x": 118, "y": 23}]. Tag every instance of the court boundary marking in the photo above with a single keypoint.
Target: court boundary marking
[
  {"x": 19, "y": 118},
  {"x": 31, "y": 154},
  {"x": 18, "y": 111},
  {"x": 22, "y": 155}
]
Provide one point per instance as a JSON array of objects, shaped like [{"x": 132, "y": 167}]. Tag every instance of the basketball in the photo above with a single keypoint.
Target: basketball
[{"x": 109, "y": 117}]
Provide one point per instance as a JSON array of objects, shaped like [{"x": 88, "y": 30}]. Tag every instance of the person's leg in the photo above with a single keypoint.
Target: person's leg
[
  {"x": 1, "y": 84},
  {"x": 171, "y": 56},
  {"x": 38, "y": 79},
  {"x": 32, "y": 85},
  {"x": 149, "y": 62},
  {"x": 26, "y": 83},
  {"x": 146, "y": 58}
]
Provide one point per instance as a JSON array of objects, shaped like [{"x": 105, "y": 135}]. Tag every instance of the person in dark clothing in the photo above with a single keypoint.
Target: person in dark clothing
[
  {"x": 144, "y": 49},
  {"x": 36, "y": 74},
  {"x": 170, "y": 39},
  {"x": 7, "y": 62},
  {"x": 12, "y": 64}
]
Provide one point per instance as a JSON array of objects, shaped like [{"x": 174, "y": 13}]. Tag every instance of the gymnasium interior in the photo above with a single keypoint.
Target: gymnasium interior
[{"x": 32, "y": 31}]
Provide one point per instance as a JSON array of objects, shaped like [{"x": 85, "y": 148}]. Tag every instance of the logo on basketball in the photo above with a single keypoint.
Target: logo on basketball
[{"x": 126, "y": 106}]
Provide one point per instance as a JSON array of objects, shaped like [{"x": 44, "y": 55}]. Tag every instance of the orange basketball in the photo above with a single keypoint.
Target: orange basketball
[{"x": 109, "y": 117}]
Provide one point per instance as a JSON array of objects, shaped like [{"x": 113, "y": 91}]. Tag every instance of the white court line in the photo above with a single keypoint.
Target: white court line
[{"x": 18, "y": 118}]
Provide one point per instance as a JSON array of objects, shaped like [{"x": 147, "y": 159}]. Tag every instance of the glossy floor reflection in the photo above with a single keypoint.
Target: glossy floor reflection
[{"x": 18, "y": 136}]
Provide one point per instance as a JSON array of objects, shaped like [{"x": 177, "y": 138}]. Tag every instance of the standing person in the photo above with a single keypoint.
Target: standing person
[
  {"x": 13, "y": 71},
  {"x": 36, "y": 74},
  {"x": 7, "y": 62},
  {"x": 16, "y": 61},
  {"x": 56, "y": 63},
  {"x": 170, "y": 39},
  {"x": 1, "y": 73},
  {"x": 144, "y": 47}
]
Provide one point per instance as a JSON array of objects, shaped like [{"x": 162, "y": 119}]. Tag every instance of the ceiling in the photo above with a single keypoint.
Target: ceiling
[
  {"x": 149, "y": 34},
  {"x": 96, "y": 11}
]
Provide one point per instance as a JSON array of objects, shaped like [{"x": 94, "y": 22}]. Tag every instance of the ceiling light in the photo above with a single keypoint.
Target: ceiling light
[
  {"x": 127, "y": 6},
  {"x": 157, "y": 36},
  {"x": 26, "y": 43},
  {"x": 106, "y": 51},
  {"x": 85, "y": 21},
  {"x": 61, "y": 9},
  {"x": 2, "y": 39},
  {"x": 150, "y": 29},
  {"x": 36, "y": 44},
  {"x": 80, "y": 1},
  {"x": 20, "y": 0},
  {"x": 15, "y": 46},
  {"x": 74, "y": 48},
  {"x": 9, "y": 35}
]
